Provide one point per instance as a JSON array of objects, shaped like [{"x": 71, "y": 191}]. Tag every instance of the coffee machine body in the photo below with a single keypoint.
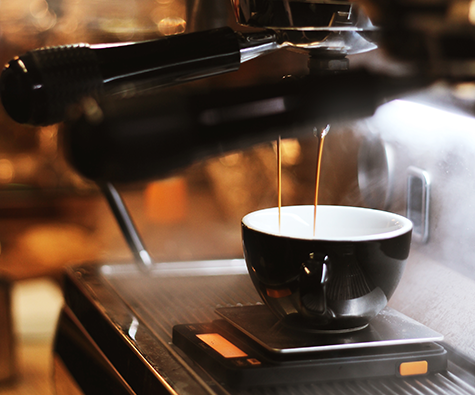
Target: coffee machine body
[{"x": 166, "y": 329}]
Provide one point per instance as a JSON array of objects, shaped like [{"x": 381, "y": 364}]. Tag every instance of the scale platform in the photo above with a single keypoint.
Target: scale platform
[{"x": 251, "y": 347}]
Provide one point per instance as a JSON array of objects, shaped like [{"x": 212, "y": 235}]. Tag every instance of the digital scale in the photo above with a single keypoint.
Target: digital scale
[{"x": 250, "y": 347}]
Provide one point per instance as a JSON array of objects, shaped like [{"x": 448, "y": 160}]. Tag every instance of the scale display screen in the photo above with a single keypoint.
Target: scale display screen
[{"x": 221, "y": 345}]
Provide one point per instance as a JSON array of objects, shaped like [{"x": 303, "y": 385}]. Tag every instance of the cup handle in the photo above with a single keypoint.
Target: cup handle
[{"x": 313, "y": 279}]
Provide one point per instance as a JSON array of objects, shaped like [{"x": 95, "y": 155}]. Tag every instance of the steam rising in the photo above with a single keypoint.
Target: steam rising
[{"x": 442, "y": 143}]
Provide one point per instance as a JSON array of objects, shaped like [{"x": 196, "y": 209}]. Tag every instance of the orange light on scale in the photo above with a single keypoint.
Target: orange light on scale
[
  {"x": 413, "y": 368},
  {"x": 221, "y": 345}
]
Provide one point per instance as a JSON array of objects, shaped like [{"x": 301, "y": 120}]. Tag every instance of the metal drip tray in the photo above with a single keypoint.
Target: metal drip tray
[{"x": 128, "y": 317}]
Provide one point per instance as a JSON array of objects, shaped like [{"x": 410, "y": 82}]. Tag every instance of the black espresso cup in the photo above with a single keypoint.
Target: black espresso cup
[{"x": 338, "y": 279}]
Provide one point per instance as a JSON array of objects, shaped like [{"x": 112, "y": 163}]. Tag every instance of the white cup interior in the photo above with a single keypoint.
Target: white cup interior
[{"x": 333, "y": 223}]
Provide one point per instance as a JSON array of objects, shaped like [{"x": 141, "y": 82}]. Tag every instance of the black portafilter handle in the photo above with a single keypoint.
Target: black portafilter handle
[
  {"x": 149, "y": 137},
  {"x": 38, "y": 87}
]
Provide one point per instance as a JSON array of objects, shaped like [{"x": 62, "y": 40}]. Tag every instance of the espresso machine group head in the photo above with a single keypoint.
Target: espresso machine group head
[
  {"x": 435, "y": 37},
  {"x": 38, "y": 87},
  {"x": 50, "y": 85}
]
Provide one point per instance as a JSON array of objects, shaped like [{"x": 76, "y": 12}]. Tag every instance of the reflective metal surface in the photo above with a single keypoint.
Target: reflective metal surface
[
  {"x": 7, "y": 342},
  {"x": 300, "y": 15},
  {"x": 433, "y": 137},
  {"x": 127, "y": 226},
  {"x": 342, "y": 42},
  {"x": 418, "y": 202},
  {"x": 336, "y": 26}
]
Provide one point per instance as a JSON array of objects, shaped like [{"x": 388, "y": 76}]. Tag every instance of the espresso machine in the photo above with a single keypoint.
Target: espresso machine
[{"x": 200, "y": 327}]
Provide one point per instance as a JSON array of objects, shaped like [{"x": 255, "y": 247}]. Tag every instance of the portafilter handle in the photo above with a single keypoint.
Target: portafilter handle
[{"x": 39, "y": 87}]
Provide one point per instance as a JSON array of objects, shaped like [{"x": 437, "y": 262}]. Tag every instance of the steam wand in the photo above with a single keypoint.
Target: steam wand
[{"x": 127, "y": 226}]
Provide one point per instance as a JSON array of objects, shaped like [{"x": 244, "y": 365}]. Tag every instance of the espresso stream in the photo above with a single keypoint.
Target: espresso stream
[
  {"x": 321, "y": 141},
  {"x": 279, "y": 177}
]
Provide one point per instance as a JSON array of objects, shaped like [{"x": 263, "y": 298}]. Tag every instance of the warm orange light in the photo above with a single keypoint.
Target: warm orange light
[
  {"x": 278, "y": 293},
  {"x": 221, "y": 345},
  {"x": 413, "y": 368},
  {"x": 171, "y": 25},
  {"x": 166, "y": 201}
]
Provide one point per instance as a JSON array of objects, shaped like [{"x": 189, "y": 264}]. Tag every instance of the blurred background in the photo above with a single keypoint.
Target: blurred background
[{"x": 50, "y": 217}]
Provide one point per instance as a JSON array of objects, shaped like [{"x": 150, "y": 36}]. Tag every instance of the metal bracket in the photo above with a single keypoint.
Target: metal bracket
[
  {"x": 418, "y": 201},
  {"x": 127, "y": 226}
]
